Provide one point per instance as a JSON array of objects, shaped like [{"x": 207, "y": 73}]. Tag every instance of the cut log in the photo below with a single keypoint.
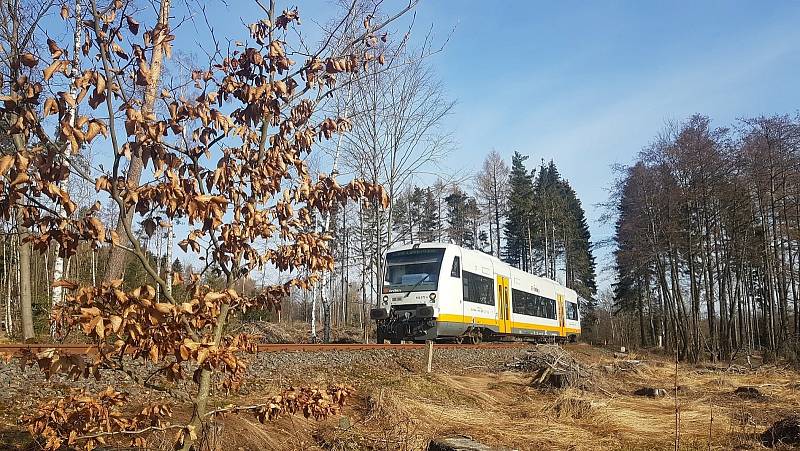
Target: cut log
[{"x": 458, "y": 443}]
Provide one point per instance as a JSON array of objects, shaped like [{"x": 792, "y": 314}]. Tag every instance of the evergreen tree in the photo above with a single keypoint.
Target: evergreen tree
[
  {"x": 548, "y": 219},
  {"x": 179, "y": 290},
  {"x": 401, "y": 219},
  {"x": 414, "y": 212},
  {"x": 483, "y": 242},
  {"x": 580, "y": 267},
  {"x": 429, "y": 221},
  {"x": 472, "y": 216},
  {"x": 177, "y": 267},
  {"x": 457, "y": 223},
  {"x": 517, "y": 226},
  {"x": 408, "y": 214}
]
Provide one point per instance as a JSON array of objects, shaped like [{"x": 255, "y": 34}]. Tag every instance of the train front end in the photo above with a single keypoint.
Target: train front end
[{"x": 410, "y": 298}]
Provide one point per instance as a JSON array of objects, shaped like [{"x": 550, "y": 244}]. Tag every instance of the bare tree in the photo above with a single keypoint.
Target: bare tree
[
  {"x": 491, "y": 188},
  {"x": 396, "y": 136},
  {"x": 706, "y": 216}
]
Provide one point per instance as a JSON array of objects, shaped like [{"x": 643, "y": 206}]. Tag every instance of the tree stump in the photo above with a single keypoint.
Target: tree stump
[
  {"x": 651, "y": 392},
  {"x": 750, "y": 393},
  {"x": 785, "y": 431},
  {"x": 546, "y": 377}
]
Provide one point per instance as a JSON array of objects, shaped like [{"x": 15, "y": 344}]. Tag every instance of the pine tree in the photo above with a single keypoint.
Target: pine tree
[
  {"x": 517, "y": 226},
  {"x": 484, "y": 245},
  {"x": 457, "y": 223},
  {"x": 414, "y": 206},
  {"x": 472, "y": 216},
  {"x": 580, "y": 267},
  {"x": 429, "y": 221},
  {"x": 401, "y": 219},
  {"x": 548, "y": 219}
]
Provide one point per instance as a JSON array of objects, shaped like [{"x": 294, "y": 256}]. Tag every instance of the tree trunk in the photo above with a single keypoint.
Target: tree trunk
[
  {"x": 25, "y": 294},
  {"x": 116, "y": 260}
]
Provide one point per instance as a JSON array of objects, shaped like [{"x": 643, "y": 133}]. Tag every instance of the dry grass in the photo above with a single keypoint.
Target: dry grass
[
  {"x": 402, "y": 409},
  {"x": 502, "y": 409}
]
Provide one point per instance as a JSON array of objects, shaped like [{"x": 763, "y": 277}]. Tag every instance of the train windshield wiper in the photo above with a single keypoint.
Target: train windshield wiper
[{"x": 416, "y": 285}]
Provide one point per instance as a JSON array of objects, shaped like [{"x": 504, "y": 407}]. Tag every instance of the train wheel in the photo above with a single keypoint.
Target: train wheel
[
  {"x": 395, "y": 341},
  {"x": 380, "y": 339},
  {"x": 475, "y": 338},
  {"x": 458, "y": 340}
]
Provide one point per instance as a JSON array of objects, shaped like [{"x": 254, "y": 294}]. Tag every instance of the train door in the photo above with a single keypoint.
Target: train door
[
  {"x": 561, "y": 315},
  {"x": 503, "y": 301}
]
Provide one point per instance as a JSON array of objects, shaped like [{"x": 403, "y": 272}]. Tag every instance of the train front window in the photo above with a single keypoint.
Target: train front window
[{"x": 413, "y": 270}]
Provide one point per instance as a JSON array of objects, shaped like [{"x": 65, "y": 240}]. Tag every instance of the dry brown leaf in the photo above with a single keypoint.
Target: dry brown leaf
[
  {"x": 6, "y": 161},
  {"x": 55, "y": 50},
  {"x": 68, "y": 284},
  {"x": 29, "y": 59},
  {"x": 133, "y": 25}
]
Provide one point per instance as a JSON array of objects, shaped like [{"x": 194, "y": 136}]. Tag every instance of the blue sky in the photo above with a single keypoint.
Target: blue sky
[{"x": 588, "y": 84}]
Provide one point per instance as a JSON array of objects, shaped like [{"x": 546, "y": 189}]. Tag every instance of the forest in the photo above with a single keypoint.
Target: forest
[{"x": 706, "y": 234}]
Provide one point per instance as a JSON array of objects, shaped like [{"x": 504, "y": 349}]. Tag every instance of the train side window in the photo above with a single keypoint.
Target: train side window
[
  {"x": 572, "y": 311},
  {"x": 533, "y": 305},
  {"x": 456, "y": 271},
  {"x": 478, "y": 289},
  {"x": 551, "y": 310}
]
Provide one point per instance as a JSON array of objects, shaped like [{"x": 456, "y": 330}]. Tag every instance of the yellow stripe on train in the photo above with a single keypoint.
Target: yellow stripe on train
[{"x": 450, "y": 318}]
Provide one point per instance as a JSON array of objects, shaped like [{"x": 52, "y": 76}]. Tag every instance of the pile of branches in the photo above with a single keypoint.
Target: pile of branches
[
  {"x": 553, "y": 367},
  {"x": 267, "y": 332}
]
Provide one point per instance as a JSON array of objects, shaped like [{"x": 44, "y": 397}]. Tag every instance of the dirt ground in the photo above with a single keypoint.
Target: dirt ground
[{"x": 475, "y": 393}]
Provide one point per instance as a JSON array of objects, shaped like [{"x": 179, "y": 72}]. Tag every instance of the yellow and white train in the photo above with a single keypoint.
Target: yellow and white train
[{"x": 442, "y": 291}]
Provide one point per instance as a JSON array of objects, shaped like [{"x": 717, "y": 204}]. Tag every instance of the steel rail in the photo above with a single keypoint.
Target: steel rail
[{"x": 73, "y": 348}]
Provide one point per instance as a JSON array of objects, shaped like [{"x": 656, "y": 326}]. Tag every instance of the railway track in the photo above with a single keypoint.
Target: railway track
[{"x": 12, "y": 348}]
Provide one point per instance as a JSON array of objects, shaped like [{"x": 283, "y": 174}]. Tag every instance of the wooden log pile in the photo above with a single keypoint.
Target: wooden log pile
[{"x": 553, "y": 367}]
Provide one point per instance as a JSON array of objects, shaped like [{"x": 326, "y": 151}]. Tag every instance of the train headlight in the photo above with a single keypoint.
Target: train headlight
[
  {"x": 432, "y": 297},
  {"x": 385, "y": 299}
]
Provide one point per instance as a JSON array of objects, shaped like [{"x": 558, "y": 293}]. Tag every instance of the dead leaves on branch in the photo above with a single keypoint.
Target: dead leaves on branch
[
  {"x": 91, "y": 420},
  {"x": 134, "y": 324},
  {"x": 28, "y": 60},
  {"x": 308, "y": 401},
  {"x": 229, "y": 159}
]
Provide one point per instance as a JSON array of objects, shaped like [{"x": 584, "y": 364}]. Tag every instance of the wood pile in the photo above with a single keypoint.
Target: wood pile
[{"x": 553, "y": 367}]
